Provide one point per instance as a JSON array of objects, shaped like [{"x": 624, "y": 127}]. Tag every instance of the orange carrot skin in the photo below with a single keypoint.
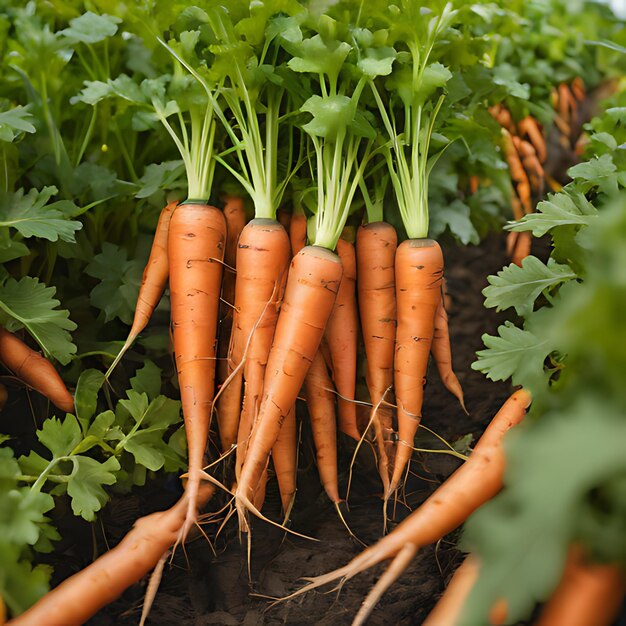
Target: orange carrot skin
[
  {"x": 284, "y": 457},
  {"x": 312, "y": 286},
  {"x": 442, "y": 353},
  {"x": 419, "y": 273},
  {"x": 479, "y": 479},
  {"x": 342, "y": 334},
  {"x": 284, "y": 218},
  {"x": 588, "y": 594},
  {"x": 197, "y": 236},
  {"x": 79, "y": 597},
  {"x": 155, "y": 273},
  {"x": 263, "y": 261},
  {"x": 35, "y": 370},
  {"x": 448, "y": 608},
  {"x": 235, "y": 215},
  {"x": 321, "y": 407},
  {"x": 297, "y": 232},
  {"x": 528, "y": 126}
]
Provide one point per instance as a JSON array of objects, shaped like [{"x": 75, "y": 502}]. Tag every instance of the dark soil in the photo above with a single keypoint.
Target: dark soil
[{"x": 206, "y": 588}]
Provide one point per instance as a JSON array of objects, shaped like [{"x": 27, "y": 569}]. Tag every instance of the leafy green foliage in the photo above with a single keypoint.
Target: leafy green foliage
[
  {"x": 572, "y": 490},
  {"x": 30, "y": 304}
]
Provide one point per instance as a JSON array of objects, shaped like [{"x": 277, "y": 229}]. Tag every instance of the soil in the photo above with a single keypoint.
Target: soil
[{"x": 203, "y": 587}]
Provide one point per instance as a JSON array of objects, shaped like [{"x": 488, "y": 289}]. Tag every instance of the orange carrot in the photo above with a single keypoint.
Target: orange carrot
[
  {"x": 35, "y": 370},
  {"x": 530, "y": 127},
  {"x": 469, "y": 487},
  {"x": 442, "y": 354},
  {"x": 197, "y": 236},
  {"x": 262, "y": 265},
  {"x": 342, "y": 334},
  {"x": 310, "y": 294},
  {"x": 4, "y": 396},
  {"x": 474, "y": 183},
  {"x": 153, "y": 282},
  {"x": 321, "y": 407},
  {"x": 448, "y": 608},
  {"x": 419, "y": 271},
  {"x": 285, "y": 459},
  {"x": 588, "y": 594},
  {"x": 235, "y": 215},
  {"x": 503, "y": 117},
  {"x": 79, "y": 597},
  {"x": 376, "y": 246},
  {"x": 284, "y": 218},
  {"x": 578, "y": 88},
  {"x": 297, "y": 232},
  {"x": 531, "y": 164}
]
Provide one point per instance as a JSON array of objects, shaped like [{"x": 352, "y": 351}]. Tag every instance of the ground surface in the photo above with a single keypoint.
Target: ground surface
[{"x": 214, "y": 589}]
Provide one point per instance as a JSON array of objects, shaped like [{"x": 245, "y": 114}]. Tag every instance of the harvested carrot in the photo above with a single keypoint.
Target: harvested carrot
[
  {"x": 285, "y": 460},
  {"x": 262, "y": 266},
  {"x": 235, "y": 215},
  {"x": 342, "y": 334},
  {"x": 442, "y": 354},
  {"x": 312, "y": 286},
  {"x": 153, "y": 282},
  {"x": 503, "y": 117},
  {"x": 297, "y": 232},
  {"x": 469, "y": 487},
  {"x": 448, "y": 608},
  {"x": 34, "y": 370},
  {"x": 589, "y": 594},
  {"x": 578, "y": 89},
  {"x": 419, "y": 272},
  {"x": 376, "y": 246},
  {"x": 79, "y": 597},
  {"x": 4, "y": 396},
  {"x": 321, "y": 407},
  {"x": 530, "y": 127},
  {"x": 531, "y": 164},
  {"x": 197, "y": 236}
]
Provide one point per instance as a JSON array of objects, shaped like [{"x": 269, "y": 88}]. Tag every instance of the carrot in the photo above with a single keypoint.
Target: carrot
[
  {"x": 518, "y": 173},
  {"x": 4, "y": 396},
  {"x": 262, "y": 264},
  {"x": 321, "y": 407},
  {"x": 531, "y": 164},
  {"x": 469, "y": 487},
  {"x": 235, "y": 214},
  {"x": 197, "y": 236},
  {"x": 530, "y": 127},
  {"x": 376, "y": 246},
  {"x": 297, "y": 232},
  {"x": 312, "y": 286},
  {"x": 503, "y": 117},
  {"x": 342, "y": 334},
  {"x": 589, "y": 594},
  {"x": 474, "y": 183},
  {"x": 284, "y": 218},
  {"x": 153, "y": 282},
  {"x": 448, "y": 608},
  {"x": 578, "y": 88},
  {"x": 285, "y": 461},
  {"x": 79, "y": 597},
  {"x": 34, "y": 370},
  {"x": 419, "y": 272},
  {"x": 442, "y": 354}
]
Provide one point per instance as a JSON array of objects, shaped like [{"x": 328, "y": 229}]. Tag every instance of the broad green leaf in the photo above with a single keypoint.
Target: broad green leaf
[
  {"x": 515, "y": 353},
  {"x": 456, "y": 217},
  {"x": 519, "y": 287},
  {"x": 101, "y": 425},
  {"x": 147, "y": 379},
  {"x": 559, "y": 210},
  {"x": 161, "y": 176},
  {"x": 21, "y": 585},
  {"x": 32, "y": 216},
  {"x": 435, "y": 76},
  {"x": 524, "y": 532},
  {"x": 116, "y": 295},
  {"x": 32, "y": 305},
  {"x": 319, "y": 57},
  {"x": 9, "y": 469},
  {"x": 86, "y": 396},
  {"x": 60, "y": 437},
  {"x": 377, "y": 61},
  {"x": 93, "y": 92},
  {"x": 11, "y": 249},
  {"x": 21, "y": 515},
  {"x": 90, "y": 28},
  {"x": 86, "y": 482},
  {"x": 14, "y": 122}
]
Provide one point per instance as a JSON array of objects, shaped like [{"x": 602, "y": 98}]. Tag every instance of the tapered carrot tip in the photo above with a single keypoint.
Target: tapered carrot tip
[{"x": 4, "y": 395}]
